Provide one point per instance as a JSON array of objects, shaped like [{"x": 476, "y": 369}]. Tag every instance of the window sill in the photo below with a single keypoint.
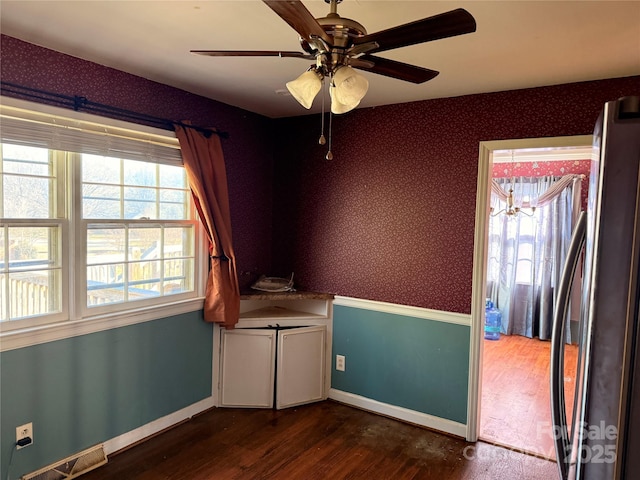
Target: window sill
[{"x": 26, "y": 337}]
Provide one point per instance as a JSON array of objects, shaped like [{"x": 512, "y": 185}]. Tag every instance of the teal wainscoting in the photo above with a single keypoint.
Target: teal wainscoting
[
  {"x": 85, "y": 390},
  {"x": 413, "y": 363}
]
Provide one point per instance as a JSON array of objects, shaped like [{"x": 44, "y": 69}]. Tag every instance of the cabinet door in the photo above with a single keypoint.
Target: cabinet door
[
  {"x": 301, "y": 364},
  {"x": 247, "y": 368}
]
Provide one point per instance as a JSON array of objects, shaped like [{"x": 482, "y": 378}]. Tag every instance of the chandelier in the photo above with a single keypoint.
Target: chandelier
[{"x": 512, "y": 208}]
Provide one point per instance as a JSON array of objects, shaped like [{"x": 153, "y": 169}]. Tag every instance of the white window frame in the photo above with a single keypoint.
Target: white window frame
[{"x": 76, "y": 318}]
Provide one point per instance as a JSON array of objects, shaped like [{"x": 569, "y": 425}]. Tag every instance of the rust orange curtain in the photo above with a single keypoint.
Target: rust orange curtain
[{"x": 207, "y": 176}]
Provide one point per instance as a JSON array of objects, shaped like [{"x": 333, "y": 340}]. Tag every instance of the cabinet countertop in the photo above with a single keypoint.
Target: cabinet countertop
[{"x": 258, "y": 295}]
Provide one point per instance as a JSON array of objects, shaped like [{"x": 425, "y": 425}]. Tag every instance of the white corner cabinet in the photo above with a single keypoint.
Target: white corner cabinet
[{"x": 279, "y": 354}]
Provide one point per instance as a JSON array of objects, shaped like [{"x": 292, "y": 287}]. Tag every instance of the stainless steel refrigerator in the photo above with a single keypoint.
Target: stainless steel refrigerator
[{"x": 602, "y": 441}]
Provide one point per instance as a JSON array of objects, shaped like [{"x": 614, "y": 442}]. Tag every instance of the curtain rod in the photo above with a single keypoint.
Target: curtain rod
[{"x": 79, "y": 103}]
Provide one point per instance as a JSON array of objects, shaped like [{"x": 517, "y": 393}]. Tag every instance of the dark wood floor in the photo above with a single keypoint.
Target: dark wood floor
[
  {"x": 325, "y": 440},
  {"x": 515, "y": 408}
]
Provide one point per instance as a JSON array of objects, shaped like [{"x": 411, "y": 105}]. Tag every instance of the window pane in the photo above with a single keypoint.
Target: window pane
[
  {"x": 26, "y": 160},
  {"x": 144, "y": 243},
  {"x": 109, "y": 290},
  {"x": 105, "y": 246},
  {"x": 26, "y": 197},
  {"x": 128, "y": 189},
  {"x": 33, "y": 247},
  {"x": 172, "y": 177},
  {"x": 178, "y": 275},
  {"x": 36, "y": 292},
  {"x": 144, "y": 280},
  {"x": 140, "y": 203},
  {"x": 173, "y": 196},
  {"x": 101, "y": 201},
  {"x": 150, "y": 269},
  {"x": 97, "y": 169},
  {"x": 27, "y": 167},
  {"x": 173, "y": 211},
  {"x": 523, "y": 272},
  {"x": 140, "y": 173},
  {"x": 174, "y": 204},
  {"x": 178, "y": 242}
]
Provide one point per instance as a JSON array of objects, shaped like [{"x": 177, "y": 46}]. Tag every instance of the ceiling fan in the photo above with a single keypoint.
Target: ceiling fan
[{"x": 339, "y": 45}]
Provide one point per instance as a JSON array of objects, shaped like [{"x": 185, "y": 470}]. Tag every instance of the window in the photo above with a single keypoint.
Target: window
[
  {"x": 512, "y": 240},
  {"x": 136, "y": 223},
  {"x": 31, "y": 234},
  {"x": 85, "y": 233}
]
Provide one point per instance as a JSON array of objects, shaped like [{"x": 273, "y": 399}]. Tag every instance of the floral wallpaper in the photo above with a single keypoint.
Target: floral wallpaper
[
  {"x": 391, "y": 217},
  {"x": 541, "y": 168},
  {"x": 545, "y": 168}
]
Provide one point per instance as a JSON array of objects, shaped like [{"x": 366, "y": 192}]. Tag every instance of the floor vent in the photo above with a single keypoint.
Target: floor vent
[{"x": 71, "y": 467}]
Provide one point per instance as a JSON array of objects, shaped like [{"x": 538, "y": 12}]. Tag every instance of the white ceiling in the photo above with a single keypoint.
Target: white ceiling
[{"x": 517, "y": 44}]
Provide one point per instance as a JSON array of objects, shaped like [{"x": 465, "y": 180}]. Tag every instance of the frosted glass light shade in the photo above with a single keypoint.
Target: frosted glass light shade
[
  {"x": 336, "y": 106},
  {"x": 351, "y": 87},
  {"x": 305, "y": 88}
]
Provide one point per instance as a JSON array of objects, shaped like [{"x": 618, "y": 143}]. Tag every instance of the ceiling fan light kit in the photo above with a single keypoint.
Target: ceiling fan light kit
[
  {"x": 305, "y": 88},
  {"x": 350, "y": 86},
  {"x": 340, "y": 45},
  {"x": 336, "y": 106}
]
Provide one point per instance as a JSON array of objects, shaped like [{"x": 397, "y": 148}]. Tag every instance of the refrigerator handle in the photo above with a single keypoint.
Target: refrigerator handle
[{"x": 562, "y": 440}]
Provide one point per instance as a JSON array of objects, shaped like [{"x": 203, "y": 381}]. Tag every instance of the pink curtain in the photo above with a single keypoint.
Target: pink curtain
[{"x": 207, "y": 176}]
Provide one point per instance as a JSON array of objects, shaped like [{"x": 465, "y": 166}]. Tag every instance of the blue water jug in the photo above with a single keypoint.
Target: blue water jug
[{"x": 492, "y": 321}]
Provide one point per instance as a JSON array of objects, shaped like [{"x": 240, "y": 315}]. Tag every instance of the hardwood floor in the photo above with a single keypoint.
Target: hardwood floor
[
  {"x": 325, "y": 440},
  {"x": 515, "y": 409}
]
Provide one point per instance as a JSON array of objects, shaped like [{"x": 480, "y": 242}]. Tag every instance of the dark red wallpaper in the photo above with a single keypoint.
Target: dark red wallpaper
[
  {"x": 247, "y": 150},
  {"x": 391, "y": 217}
]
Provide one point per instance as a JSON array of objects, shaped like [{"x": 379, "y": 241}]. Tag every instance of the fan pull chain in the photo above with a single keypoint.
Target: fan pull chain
[
  {"x": 322, "y": 140},
  {"x": 329, "y": 154}
]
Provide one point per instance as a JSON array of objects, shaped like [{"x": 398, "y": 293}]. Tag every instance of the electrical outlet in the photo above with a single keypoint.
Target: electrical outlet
[
  {"x": 24, "y": 431},
  {"x": 340, "y": 363}
]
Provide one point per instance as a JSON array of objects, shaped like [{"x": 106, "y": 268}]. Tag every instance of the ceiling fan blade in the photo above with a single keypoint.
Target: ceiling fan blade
[
  {"x": 448, "y": 24},
  {"x": 393, "y": 69},
  {"x": 252, "y": 53},
  {"x": 299, "y": 18}
]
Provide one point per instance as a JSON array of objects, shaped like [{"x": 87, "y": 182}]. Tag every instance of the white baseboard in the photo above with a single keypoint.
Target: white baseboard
[
  {"x": 400, "y": 413},
  {"x": 140, "y": 433}
]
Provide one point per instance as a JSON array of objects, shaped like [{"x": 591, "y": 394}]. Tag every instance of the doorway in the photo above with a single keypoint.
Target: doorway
[{"x": 509, "y": 378}]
